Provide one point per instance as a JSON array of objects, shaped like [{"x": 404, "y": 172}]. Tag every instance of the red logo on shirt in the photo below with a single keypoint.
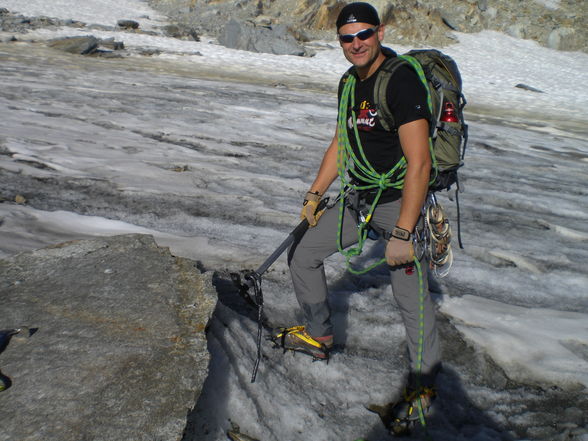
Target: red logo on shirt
[{"x": 366, "y": 117}]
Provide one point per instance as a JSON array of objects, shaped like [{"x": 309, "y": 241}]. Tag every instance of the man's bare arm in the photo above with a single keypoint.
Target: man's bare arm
[{"x": 414, "y": 140}]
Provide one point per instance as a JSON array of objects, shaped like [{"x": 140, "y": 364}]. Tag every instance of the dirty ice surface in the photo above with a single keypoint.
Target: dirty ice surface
[{"x": 211, "y": 150}]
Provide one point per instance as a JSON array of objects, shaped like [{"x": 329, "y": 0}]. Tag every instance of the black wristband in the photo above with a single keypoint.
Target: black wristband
[{"x": 401, "y": 233}]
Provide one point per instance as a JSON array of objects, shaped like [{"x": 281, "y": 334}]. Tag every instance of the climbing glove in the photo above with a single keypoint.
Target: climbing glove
[
  {"x": 309, "y": 206},
  {"x": 399, "y": 252}
]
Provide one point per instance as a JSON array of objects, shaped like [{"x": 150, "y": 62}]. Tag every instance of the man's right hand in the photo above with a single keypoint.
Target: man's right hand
[{"x": 311, "y": 202}]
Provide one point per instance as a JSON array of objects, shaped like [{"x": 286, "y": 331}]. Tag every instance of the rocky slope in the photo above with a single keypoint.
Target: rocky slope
[{"x": 559, "y": 24}]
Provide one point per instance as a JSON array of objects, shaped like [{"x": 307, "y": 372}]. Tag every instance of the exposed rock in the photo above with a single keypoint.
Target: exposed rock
[
  {"x": 119, "y": 351},
  {"x": 516, "y": 31},
  {"x": 273, "y": 40},
  {"x": 88, "y": 45},
  {"x": 529, "y": 88},
  {"x": 181, "y": 32},
  {"x": 148, "y": 51},
  {"x": 413, "y": 25},
  {"x": 564, "y": 39},
  {"x": 111, "y": 43},
  {"x": 18, "y": 23},
  {"x": 128, "y": 24},
  {"x": 419, "y": 23},
  {"x": 75, "y": 45},
  {"x": 558, "y": 25},
  {"x": 320, "y": 16}
]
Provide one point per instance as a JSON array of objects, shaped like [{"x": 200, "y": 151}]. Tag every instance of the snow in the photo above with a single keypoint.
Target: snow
[
  {"x": 521, "y": 296},
  {"x": 102, "y": 12},
  {"x": 491, "y": 63},
  {"x": 489, "y": 324}
]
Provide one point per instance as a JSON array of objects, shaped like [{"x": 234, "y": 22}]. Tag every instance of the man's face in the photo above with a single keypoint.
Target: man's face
[{"x": 361, "y": 53}]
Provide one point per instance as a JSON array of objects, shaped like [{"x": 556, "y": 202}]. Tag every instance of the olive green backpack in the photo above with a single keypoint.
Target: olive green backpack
[{"x": 449, "y": 132}]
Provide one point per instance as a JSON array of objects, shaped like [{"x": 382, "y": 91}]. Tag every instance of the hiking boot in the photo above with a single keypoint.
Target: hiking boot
[
  {"x": 413, "y": 408},
  {"x": 297, "y": 339}
]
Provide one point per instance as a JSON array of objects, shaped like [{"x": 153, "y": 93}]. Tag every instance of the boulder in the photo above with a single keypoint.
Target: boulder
[
  {"x": 111, "y": 43},
  {"x": 18, "y": 23},
  {"x": 111, "y": 342},
  {"x": 565, "y": 39},
  {"x": 273, "y": 40},
  {"x": 76, "y": 45},
  {"x": 181, "y": 32},
  {"x": 127, "y": 24}
]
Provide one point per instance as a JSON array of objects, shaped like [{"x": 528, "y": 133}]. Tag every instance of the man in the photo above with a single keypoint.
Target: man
[{"x": 394, "y": 210}]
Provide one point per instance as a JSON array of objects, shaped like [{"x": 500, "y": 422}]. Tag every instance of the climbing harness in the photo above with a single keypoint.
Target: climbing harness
[
  {"x": 433, "y": 239},
  {"x": 349, "y": 164}
]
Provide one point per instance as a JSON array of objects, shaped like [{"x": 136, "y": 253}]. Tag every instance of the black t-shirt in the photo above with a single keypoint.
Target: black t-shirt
[{"x": 407, "y": 100}]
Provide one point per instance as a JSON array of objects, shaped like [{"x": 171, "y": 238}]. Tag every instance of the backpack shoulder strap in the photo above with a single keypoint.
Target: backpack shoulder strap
[{"x": 384, "y": 74}]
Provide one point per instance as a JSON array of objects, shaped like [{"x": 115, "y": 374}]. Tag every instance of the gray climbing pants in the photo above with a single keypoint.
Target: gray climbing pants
[{"x": 306, "y": 258}]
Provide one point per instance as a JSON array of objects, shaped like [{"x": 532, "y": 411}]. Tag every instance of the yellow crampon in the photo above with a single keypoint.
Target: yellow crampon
[
  {"x": 411, "y": 410},
  {"x": 295, "y": 338}
]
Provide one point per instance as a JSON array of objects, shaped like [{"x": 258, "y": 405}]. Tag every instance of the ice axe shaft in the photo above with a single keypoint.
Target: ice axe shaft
[{"x": 296, "y": 233}]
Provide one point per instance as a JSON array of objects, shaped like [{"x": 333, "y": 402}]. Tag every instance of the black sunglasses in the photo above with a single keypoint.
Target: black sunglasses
[{"x": 362, "y": 35}]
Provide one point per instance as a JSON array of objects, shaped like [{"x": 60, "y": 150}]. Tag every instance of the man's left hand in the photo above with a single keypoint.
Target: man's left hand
[{"x": 399, "y": 252}]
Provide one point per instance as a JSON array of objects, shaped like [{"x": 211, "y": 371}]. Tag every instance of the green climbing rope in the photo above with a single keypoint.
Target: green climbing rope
[
  {"x": 421, "y": 338},
  {"x": 349, "y": 164}
]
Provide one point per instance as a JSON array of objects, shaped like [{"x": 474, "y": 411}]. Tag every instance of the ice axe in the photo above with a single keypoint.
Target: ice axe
[{"x": 248, "y": 280}]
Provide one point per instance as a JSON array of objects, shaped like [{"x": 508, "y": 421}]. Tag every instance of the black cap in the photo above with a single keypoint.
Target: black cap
[{"x": 358, "y": 12}]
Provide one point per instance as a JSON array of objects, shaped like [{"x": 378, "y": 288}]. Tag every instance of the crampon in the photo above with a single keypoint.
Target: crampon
[
  {"x": 411, "y": 410},
  {"x": 401, "y": 417},
  {"x": 297, "y": 339}
]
